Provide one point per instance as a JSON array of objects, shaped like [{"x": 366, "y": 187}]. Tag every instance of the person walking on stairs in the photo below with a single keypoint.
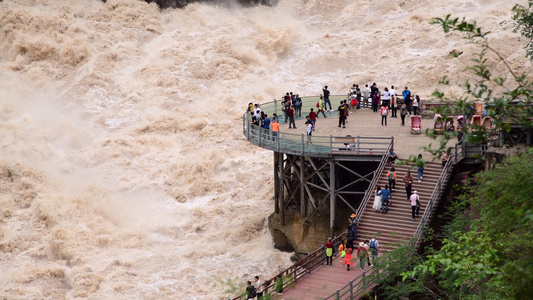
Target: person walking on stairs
[
  {"x": 420, "y": 165},
  {"x": 391, "y": 177},
  {"x": 408, "y": 180},
  {"x": 385, "y": 198},
  {"x": 374, "y": 247},
  {"x": 415, "y": 204}
]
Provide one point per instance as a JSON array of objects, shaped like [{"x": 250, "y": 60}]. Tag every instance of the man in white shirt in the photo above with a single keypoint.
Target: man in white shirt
[
  {"x": 393, "y": 100},
  {"x": 258, "y": 287},
  {"x": 415, "y": 204}
]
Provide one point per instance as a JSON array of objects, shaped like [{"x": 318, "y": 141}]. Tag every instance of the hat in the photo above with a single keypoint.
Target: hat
[
  {"x": 361, "y": 244},
  {"x": 415, "y": 192},
  {"x": 352, "y": 216}
]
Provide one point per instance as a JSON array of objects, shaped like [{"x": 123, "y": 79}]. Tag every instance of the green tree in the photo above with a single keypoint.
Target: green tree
[
  {"x": 492, "y": 257},
  {"x": 507, "y": 97},
  {"x": 523, "y": 18}
]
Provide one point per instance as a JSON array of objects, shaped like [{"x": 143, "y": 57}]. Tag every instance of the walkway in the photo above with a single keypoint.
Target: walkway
[
  {"x": 395, "y": 226},
  {"x": 391, "y": 228}
]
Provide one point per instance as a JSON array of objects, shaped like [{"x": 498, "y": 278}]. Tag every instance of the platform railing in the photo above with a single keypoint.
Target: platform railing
[{"x": 302, "y": 144}]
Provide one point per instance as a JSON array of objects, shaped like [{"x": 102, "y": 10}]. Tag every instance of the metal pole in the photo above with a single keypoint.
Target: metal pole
[
  {"x": 302, "y": 190},
  {"x": 276, "y": 183},
  {"x": 331, "y": 198},
  {"x": 281, "y": 189}
]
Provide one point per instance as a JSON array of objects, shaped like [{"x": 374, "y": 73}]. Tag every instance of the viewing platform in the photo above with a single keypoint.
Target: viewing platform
[{"x": 323, "y": 179}]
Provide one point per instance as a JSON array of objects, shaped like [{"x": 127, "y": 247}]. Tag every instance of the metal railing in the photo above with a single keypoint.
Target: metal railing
[
  {"x": 302, "y": 144},
  {"x": 455, "y": 156},
  {"x": 356, "y": 286}
]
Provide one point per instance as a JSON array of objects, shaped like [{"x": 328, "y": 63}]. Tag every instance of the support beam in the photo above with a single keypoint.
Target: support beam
[
  {"x": 332, "y": 198},
  {"x": 303, "y": 206},
  {"x": 281, "y": 189},
  {"x": 276, "y": 183}
]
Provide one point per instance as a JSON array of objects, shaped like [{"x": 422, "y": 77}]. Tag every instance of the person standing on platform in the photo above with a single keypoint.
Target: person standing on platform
[
  {"x": 312, "y": 117},
  {"x": 290, "y": 113},
  {"x": 266, "y": 122},
  {"x": 384, "y": 114},
  {"x": 415, "y": 204},
  {"x": 321, "y": 107},
  {"x": 393, "y": 101},
  {"x": 386, "y": 98},
  {"x": 342, "y": 115},
  {"x": 329, "y": 252},
  {"x": 367, "y": 247},
  {"x": 358, "y": 94},
  {"x": 342, "y": 253},
  {"x": 403, "y": 113},
  {"x": 353, "y": 102},
  {"x": 298, "y": 105},
  {"x": 274, "y": 125},
  {"x": 348, "y": 258},
  {"x": 420, "y": 165},
  {"x": 366, "y": 96},
  {"x": 416, "y": 104},
  {"x": 326, "y": 98},
  {"x": 408, "y": 180},
  {"x": 374, "y": 93},
  {"x": 407, "y": 99},
  {"x": 385, "y": 198}
]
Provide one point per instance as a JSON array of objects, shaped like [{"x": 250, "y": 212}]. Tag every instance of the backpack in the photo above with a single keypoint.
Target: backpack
[
  {"x": 253, "y": 291},
  {"x": 317, "y": 105},
  {"x": 391, "y": 177},
  {"x": 372, "y": 244}
]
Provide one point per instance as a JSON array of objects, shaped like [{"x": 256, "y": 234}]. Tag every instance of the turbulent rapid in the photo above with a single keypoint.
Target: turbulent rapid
[{"x": 124, "y": 170}]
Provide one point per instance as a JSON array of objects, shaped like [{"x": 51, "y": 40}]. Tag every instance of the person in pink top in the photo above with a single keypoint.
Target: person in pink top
[
  {"x": 384, "y": 114},
  {"x": 415, "y": 204}
]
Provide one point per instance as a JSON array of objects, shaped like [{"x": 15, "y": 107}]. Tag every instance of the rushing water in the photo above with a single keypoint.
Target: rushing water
[{"x": 124, "y": 170}]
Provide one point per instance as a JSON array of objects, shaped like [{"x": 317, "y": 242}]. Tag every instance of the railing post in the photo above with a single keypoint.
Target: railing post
[
  {"x": 260, "y": 135},
  {"x": 278, "y": 140},
  {"x": 302, "y": 144},
  {"x": 358, "y": 144},
  {"x": 330, "y": 144},
  {"x": 351, "y": 289}
]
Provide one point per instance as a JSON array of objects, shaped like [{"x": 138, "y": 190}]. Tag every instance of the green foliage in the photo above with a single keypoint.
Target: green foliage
[
  {"x": 490, "y": 255},
  {"x": 507, "y": 102},
  {"x": 523, "y": 17}
]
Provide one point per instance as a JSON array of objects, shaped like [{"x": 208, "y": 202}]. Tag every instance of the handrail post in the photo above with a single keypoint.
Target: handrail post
[
  {"x": 351, "y": 289},
  {"x": 302, "y": 144},
  {"x": 358, "y": 144},
  {"x": 260, "y": 136},
  {"x": 330, "y": 143}
]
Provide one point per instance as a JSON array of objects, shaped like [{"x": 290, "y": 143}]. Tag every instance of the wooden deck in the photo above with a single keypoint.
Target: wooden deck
[{"x": 323, "y": 282}]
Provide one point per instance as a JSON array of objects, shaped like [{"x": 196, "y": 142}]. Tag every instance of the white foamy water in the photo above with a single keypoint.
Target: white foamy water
[{"x": 124, "y": 171}]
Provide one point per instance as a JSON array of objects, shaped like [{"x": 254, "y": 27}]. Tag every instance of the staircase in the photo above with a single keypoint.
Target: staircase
[{"x": 397, "y": 224}]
